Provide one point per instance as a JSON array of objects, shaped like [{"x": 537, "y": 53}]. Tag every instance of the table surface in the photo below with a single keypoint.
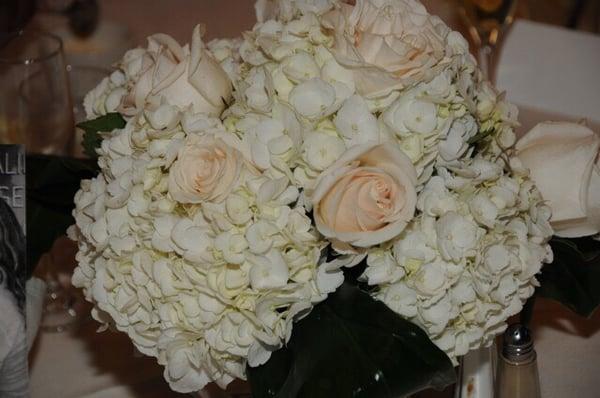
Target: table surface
[{"x": 82, "y": 363}]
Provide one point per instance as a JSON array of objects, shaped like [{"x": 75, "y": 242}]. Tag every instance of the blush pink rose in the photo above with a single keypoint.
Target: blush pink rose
[
  {"x": 206, "y": 169},
  {"x": 387, "y": 44},
  {"x": 367, "y": 196}
]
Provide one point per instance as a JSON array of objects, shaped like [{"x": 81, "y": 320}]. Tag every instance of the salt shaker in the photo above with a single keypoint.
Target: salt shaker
[{"x": 517, "y": 372}]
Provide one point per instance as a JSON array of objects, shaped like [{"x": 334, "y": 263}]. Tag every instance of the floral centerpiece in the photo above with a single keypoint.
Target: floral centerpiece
[{"x": 338, "y": 189}]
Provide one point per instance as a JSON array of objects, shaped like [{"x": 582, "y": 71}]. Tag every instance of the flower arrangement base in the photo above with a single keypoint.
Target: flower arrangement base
[
  {"x": 237, "y": 389},
  {"x": 476, "y": 374},
  {"x": 338, "y": 189},
  {"x": 242, "y": 389}
]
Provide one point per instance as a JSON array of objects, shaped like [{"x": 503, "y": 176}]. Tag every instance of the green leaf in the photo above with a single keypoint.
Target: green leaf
[
  {"x": 479, "y": 136},
  {"x": 51, "y": 185},
  {"x": 108, "y": 122},
  {"x": 573, "y": 278},
  {"x": 352, "y": 346},
  {"x": 92, "y": 129}
]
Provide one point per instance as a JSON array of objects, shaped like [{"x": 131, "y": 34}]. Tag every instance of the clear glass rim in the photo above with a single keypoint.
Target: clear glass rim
[
  {"x": 74, "y": 67},
  {"x": 33, "y": 60}
]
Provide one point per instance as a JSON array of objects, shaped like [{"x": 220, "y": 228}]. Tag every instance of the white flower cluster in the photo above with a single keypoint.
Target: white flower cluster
[
  {"x": 201, "y": 287},
  {"x": 468, "y": 262},
  {"x": 105, "y": 97},
  {"x": 293, "y": 65},
  {"x": 167, "y": 72},
  {"x": 196, "y": 241},
  {"x": 291, "y": 84}
]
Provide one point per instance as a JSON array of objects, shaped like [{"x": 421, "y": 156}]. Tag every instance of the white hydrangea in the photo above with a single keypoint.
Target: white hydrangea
[
  {"x": 291, "y": 62},
  {"x": 227, "y": 53},
  {"x": 433, "y": 273},
  {"x": 106, "y": 96},
  {"x": 204, "y": 288},
  {"x": 288, "y": 96},
  {"x": 469, "y": 261},
  {"x": 209, "y": 281}
]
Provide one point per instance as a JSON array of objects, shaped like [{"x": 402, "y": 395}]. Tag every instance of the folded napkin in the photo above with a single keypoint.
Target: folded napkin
[{"x": 551, "y": 70}]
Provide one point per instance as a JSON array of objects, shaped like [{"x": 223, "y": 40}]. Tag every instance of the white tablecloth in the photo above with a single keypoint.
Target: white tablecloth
[
  {"x": 83, "y": 363},
  {"x": 86, "y": 364},
  {"x": 568, "y": 348}
]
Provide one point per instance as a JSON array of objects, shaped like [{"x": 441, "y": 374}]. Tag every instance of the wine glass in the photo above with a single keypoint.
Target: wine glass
[
  {"x": 36, "y": 110},
  {"x": 487, "y": 20},
  {"x": 82, "y": 78},
  {"x": 35, "y": 105}
]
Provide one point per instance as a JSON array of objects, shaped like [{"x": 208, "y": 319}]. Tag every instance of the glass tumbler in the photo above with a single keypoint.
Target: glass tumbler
[
  {"x": 35, "y": 102},
  {"x": 36, "y": 110},
  {"x": 82, "y": 78}
]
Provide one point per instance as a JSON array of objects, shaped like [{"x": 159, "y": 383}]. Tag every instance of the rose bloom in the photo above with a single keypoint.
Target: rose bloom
[
  {"x": 206, "y": 169},
  {"x": 388, "y": 44},
  {"x": 367, "y": 196},
  {"x": 180, "y": 75},
  {"x": 564, "y": 164}
]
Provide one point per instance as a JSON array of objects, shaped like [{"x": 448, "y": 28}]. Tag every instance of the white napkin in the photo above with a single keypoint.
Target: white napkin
[{"x": 551, "y": 70}]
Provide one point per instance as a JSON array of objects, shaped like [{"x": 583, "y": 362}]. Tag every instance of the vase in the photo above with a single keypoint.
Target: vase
[
  {"x": 476, "y": 374},
  {"x": 236, "y": 389},
  {"x": 241, "y": 389}
]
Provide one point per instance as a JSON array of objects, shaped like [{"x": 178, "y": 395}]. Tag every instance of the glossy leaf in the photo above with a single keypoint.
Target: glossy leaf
[
  {"x": 479, "y": 136},
  {"x": 92, "y": 129},
  {"x": 352, "y": 346},
  {"x": 573, "y": 278},
  {"x": 51, "y": 185}
]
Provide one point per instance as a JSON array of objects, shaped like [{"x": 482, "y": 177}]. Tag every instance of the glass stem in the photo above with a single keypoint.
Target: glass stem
[{"x": 485, "y": 55}]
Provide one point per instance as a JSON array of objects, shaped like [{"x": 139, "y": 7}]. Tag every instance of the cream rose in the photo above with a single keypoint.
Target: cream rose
[
  {"x": 367, "y": 196},
  {"x": 564, "y": 164},
  {"x": 182, "y": 76},
  {"x": 388, "y": 44},
  {"x": 206, "y": 169}
]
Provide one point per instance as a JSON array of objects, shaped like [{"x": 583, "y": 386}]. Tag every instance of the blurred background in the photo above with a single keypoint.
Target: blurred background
[
  {"x": 96, "y": 33},
  {"x": 107, "y": 27},
  {"x": 544, "y": 53}
]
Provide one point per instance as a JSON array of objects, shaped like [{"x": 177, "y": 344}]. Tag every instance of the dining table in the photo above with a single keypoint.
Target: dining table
[
  {"x": 549, "y": 73},
  {"x": 84, "y": 363}
]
